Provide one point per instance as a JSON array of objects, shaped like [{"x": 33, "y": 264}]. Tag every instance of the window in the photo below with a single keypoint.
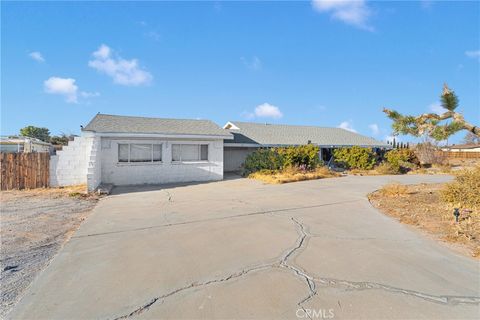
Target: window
[
  {"x": 190, "y": 152},
  {"x": 133, "y": 152}
]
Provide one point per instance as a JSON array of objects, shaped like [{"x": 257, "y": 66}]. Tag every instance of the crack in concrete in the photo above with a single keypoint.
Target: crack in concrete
[
  {"x": 169, "y": 196},
  {"x": 255, "y": 213},
  {"x": 297, "y": 271},
  {"x": 193, "y": 285},
  {"x": 282, "y": 263},
  {"x": 365, "y": 285},
  {"x": 301, "y": 243}
]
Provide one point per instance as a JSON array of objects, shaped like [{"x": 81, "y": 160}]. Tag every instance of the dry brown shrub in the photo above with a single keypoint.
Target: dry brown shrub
[
  {"x": 394, "y": 190},
  {"x": 464, "y": 191},
  {"x": 292, "y": 174}
]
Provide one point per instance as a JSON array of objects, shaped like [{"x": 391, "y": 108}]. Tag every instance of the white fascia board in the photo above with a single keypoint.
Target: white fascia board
[
  {"x": 160, "y": 135},
  {"x": 231, "y": 126}
]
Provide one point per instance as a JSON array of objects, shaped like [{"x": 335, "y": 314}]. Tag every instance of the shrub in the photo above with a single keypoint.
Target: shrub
[
  {"x": 394, "y": 190},
  {"x": 429, "y": 154},
  {"x": 387, "y": 168},
  {"x": 401, "y": 160},
  {"x": 301, "y": 157},
  {"x": 355, "y": 157},
  {"x": 464, "y": 191},
  {"x": 262, "y": 159},
  {"x": 304, "y": 157}
]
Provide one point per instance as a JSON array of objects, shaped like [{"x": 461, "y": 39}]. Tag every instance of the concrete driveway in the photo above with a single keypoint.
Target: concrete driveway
[{"x": 242, "y": 249}]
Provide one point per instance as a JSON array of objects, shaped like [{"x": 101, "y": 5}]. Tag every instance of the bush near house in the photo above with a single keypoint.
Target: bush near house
[
  {"x": 355, "y": 157},
  {"x": 464, "y": 191},
  {"x": 288, "y": 164},
  {"x": 303, "y": 157},
  {"x": 400, "y": 161}
]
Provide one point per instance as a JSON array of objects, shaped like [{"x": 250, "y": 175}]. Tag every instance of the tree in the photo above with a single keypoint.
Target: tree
[
  {"x": 436, "y": 126},
  {"x": 63, "y": 139},
  {"x": 36, "y": 132},
  {"x": 470, "y": 138}
]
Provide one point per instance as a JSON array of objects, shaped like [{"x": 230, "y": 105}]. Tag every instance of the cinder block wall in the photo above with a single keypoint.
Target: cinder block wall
[
  {"x": 69, "y": 165},
  {"x": 159, "y": 172}
]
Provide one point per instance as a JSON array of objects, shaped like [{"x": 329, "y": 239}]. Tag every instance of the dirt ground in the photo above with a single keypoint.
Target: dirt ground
[
  {"x": 34, "y": 226},
  {"x": 420, "y": 205}
]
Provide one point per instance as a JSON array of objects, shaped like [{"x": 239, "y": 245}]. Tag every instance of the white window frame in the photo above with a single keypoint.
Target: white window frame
[
  {"x": 199, "y": 153},
  {"x": 128, "y": 162}
]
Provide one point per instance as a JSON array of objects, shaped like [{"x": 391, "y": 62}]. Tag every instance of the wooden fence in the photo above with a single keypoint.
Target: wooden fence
[
  {"x": 24, "y": 170},
  {"x": 461, "y": 155}
]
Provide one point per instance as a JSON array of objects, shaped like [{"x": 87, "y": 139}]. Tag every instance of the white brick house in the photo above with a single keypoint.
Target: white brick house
[{"x": 124, "y": 150}]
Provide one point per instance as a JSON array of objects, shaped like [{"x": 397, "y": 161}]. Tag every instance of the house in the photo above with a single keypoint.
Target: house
[
  {"x": 24, "y": 144},
  {"x": 462, "y": 148},
  {"x": 248, "y": 136},
  {"x": 124, "y": 150}
]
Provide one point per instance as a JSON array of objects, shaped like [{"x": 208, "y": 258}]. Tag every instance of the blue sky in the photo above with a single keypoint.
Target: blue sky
[{"x": 314, "y": 63}]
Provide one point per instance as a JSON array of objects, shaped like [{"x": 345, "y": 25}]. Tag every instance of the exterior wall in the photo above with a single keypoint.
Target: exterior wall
[
  {"x": 69, "y": 165},
  {"x": 234, "y": 157},
  {"x": 165, "y": 171},
  {"x": 462, "y": 150}
]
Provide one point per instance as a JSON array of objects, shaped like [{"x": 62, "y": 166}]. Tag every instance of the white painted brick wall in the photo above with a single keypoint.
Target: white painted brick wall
[
  {"x": 69, "y": 166},
  {"x": 164, "y": 172}
]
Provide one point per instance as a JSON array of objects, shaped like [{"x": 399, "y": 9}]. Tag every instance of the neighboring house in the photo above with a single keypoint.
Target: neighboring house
[
  {"x": 24, "y": 144},
  {"x": 462, "y": 148},
  {"x": 123, "y": 150},
  {"x": 250, "y": 136}
]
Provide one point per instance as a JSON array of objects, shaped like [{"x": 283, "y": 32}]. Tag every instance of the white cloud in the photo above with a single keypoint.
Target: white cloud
[
  {"x": 37, "y": 56},
  {"x": 352, "y": 12},
  {"x": 436, "y": 108},
  {"x": 347, "y": 125},
  {"x": 67, "y": 88},
  {"x": 375, "y": 129},
  {"x": 124, "y": 72},
  {"x": 265, "y": 110},
  {"x": 85, "y": 94},
  {"x": 62, "y": 86},
  {"x": 254, "y": 64},
  {"x": 473, "y": 54}
]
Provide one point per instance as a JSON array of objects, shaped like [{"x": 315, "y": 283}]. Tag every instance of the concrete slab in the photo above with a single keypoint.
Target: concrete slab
[{"x": 242, "y": 249}]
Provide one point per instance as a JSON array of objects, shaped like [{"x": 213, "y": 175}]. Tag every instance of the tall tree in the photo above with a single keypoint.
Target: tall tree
[
  {"x": 36, "y": 132},
  {"x": 433, "y": 125}
]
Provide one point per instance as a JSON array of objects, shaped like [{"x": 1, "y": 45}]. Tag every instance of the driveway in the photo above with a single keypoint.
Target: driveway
[{"x": 242, "y": 249}]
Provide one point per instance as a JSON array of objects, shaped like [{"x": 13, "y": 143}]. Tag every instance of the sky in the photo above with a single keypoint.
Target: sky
[{"x": 322, "y": 63}]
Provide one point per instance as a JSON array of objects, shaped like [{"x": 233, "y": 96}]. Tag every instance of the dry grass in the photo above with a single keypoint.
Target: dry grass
[
  {"x": 422, "y": 206},
  {"x": 78, "y": 191},
  {"x": 292, "y": 175},
  {"x": 394, "y": 190}
]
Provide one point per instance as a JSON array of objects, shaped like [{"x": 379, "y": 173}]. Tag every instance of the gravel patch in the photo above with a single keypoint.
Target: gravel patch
[{"x": 34, "y": 225}]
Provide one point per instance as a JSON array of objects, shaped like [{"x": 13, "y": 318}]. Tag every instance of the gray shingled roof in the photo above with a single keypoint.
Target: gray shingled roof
[
  {"x": 278, "y": 134},
  {"x": 106, "y": 123}
]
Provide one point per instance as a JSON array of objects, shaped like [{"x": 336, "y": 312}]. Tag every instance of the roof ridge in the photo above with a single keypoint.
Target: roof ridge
[
  {"x": 145, "y": 117},
  {"x": 284, "y": 124}
]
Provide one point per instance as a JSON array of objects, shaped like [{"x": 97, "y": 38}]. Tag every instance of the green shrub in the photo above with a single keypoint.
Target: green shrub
[
  {"x": 303, "y": 157},
  {"x": 355, "y": 157},
  {"x": 464, "y": 191},
  {"x": 387, "y": 168},
  {"x": 402, "y": 160},
  {"x": 262, "y": 159}
]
